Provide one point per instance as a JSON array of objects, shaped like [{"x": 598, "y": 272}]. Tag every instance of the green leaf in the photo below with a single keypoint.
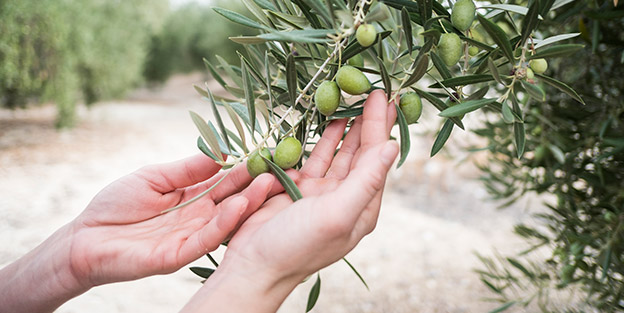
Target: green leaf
[
  {"x": 554, "y": 39},
  {"x": 503, "y": 307},
  {"x": 288, "y": 184},
  {"x": 521, "y": 267},
  {"x": 561, "y": 86},
  {"x": 508, "y": 116},
  {"x": 557, "y": 153},
  {"x": 494, "y": 71},
  {"x": 237, "y": 124},
  {"x": 556, "y": 51},
  {"x": 465, "y": 107},
  {"x": 439, "y": 104},
  {"x": 419, "y": 71},
  {"x": 407, "y": 28},
  {"x": 239, "y": 19},
  {"x": 356, "y": 273},
  {"x": 498, "y": 36},
  {"x": 463, "y": 80},
  {"x": 384, "y": 77},
  {"x": 303, "y": 36},
  {"x": 249, "y": 98},
  {"x": 534, "y": 91},
  {"x": 443, "y": 136},
  {"x": 519, "y": 136},
  {"x": 207, "y": 134},
  {"x": 490, "y": 285},
  {"x": 202, "y": 272},
  {"x": 606, "y": 263},
  {"x": 508, "y": 7},
  {"x": 291, "y": 78},
  {"x": 314, "y": 293},
  {"x": 216, "y": 113},
  {"x": 201, "y": 145},
  {"x": 530, "y": 21},
  {"x": 214, "y": 73},
  {"x": 352, "y": 112},
  {"x": 405, "y": 136},
  {"x": 440, "y": 66}
]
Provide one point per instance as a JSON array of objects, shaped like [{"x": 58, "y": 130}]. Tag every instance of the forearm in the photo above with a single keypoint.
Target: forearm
[
  {"x": 41, "y": 280},
  {"x": 241, "y": 290}
]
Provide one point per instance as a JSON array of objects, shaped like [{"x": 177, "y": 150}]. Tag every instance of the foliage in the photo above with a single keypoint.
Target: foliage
[
  {"x": 578, "y": 156},
  {"x": 303, "y": 43},
  {"x": 189, "y": 34},
  {"x": 68, "y": 50}
]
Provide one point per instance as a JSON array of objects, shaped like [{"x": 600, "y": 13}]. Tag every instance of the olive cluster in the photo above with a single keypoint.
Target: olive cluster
[{"x": 287, "y": 154}]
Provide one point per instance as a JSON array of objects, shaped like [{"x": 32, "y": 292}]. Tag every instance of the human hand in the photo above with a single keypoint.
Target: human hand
[
  {"x": 283, "y": 242},
  {"x": 122, "y": 234}
]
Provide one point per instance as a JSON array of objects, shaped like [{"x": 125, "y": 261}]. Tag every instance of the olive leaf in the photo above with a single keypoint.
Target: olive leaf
[
  {"x": 207, "y": 134},
  {"x": 405, "y": 135},
  {"x": 463, "y": 80},
  {"x": 438, "y": 104},
  {"x": 202, "y": 272},
  {"x": 384, "y": 77},
  {"x": 314, "y": 293},
  {"x": 289, "y": 185},
  {"x": 561, "y": 86},
  {"x": 442, "y": 137},
  {"x": 556, "y": 51},
  {"x": 534, "y": 91},
  {"x": 420, "y": 69},
  {"x": 465, "y": 107},
  {"x": 407, "y": 28},
  {"x": 498, "y": 36},
  {"x": 440, "y": 66}
]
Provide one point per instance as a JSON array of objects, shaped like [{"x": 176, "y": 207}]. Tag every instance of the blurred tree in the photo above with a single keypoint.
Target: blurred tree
[
  {"x": 191, "y": 33},
  {"x": 577, "y": 154},
  {"x": 69, "y": 50}
]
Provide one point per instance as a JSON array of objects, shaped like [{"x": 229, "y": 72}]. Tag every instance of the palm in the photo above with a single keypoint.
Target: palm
[
  {"x": 340, "y": 203},
  {"x": 122, "y": 234}
]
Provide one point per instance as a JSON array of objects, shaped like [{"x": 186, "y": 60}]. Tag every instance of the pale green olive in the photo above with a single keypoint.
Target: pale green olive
[
  {"x": 352, "y": 81},
  {"x": 463, "y": 14},
  {"x": 287, "y": 152},
  {"x": 450, "y": 48},
  {"x": 411, "y": 106},
  {"x": 538, "y": 66},
  {"x": 256, "y": 165},
  {"x": 327, "y": 97},
  {"x": 365, "y": 35}
]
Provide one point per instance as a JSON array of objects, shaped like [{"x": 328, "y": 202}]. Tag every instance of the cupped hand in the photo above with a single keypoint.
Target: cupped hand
[
  {"x": 122, "y": 234},
  {"x": 341, "y": 203}
]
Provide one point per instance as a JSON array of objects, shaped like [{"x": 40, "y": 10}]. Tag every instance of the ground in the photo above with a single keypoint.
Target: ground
[{"x": 435, "y": 214}]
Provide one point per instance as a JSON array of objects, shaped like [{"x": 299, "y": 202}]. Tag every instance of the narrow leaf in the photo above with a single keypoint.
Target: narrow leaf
[
  {"x": 463, "y": 80},
  {"x": 291, "y": 78},
  {"x": 561, "y": 86},
  {"x": 385, "y": 78},
  {"x": 530, "y": 21},
  {"x": 405, "y": 136},
  {"x": 220, "y": 122},
  {"x": 443, "y": 136},
  {"x": 440, "y": 66},
  {"x": 249, "y": 98},
  {"x": 508, "y": 116},
  {"x": 202, "y": 272},
  {"x": 238, "y": 18},
  {"x": 503, "y": 307},
  {"x": 498, "y": 36},
  {"x": 439, "y": 104},
  {"x": 534, "y": 91},
  {"x": 288, "y": 184},
  {"x": 556, "y": 51},
  {"x": 207, "y": 134},
  {"x": 237, "y": 124},
  {"x": 356, "y": 273},
  {"x": 554, "y": 39},
  {"x": 407, "y": 28},
  {"x": 352, "y": 112},
  {"x": 465, "y": 107},
  {"x": 494, "y": 71},
  {"x": 201, "y": 145},
  {"x": 419, "y": 71},
  {"x": 214, "y": 73},
  {"x": 314, "y": 293}
]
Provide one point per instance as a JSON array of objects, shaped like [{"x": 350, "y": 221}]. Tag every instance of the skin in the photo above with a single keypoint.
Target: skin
[
  {"x": 284, "y": 242},
  {"x": 122, "y": 234}
]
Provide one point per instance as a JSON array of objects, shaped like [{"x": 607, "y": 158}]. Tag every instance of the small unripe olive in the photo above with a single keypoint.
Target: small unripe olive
[
  {"x": 256, "y": 165},
  {"x": 365, "y": 35},
  {"x": 538, "y": 66},
  {"x": 529, "y": 73},
  {"x": 327, "y": 97},
  {"x": 287, "y": 152},
  {"x": 609, "y": 217},
  {"x": 463, "y": 14},
  {"x": 411, "y": 106},
  {"x": 356, "y": 60},
  {"x": 450, "y": 48},
  {"x": 352, "y": 81},
  {"x": 472, "y": 51}
]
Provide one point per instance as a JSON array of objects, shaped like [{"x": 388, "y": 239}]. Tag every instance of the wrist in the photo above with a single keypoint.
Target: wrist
[
  {"x": 240, "y": 286},
  {"x": 43, "y": 279}
]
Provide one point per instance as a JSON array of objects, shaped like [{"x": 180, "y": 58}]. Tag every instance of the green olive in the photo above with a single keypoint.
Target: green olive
[
  {"x": 287, "y": 152},
  {"x": 256, "y": 165},
  {"x": 352, "y": 81},
  {"x": 463, "y": 14},
  {"x": 356, "y": 60},
  {"x": 529, "y": 73},
  {"x": 472, "y": 51},
  {"x": 450, "y": 48},
  {"x": 327, "y": 97},
  {"x": 538, "y": 66},
  {"x": 411, "y": 106},
  {"x": 365, "y": 35}
]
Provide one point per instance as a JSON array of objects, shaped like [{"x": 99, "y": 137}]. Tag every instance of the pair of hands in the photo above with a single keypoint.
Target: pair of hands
[{"x": 122, "y": 234}]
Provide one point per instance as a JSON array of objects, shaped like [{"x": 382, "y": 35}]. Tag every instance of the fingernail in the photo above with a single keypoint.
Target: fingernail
[{"x": 389, "y": 152}]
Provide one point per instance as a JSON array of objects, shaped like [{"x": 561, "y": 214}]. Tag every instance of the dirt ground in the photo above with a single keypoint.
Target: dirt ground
[{"x": 421, "y": 257}]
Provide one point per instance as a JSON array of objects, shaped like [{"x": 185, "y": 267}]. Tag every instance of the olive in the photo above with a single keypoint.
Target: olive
[
  {"x": 538, "y": 66},
  {"x": 352, "y": 81},
  {"x": 463, "y": 14},
  {"x": 287, "y": 152},
  {"x": 256, "y": 165},
  {"x": 472, "y": 51},
  {"x": 327, "y": 97},
  {"x": 365, "y": 35},
  {"x": 411, "y": 106},
  {"x": 529, "y": 73},
  {"x": 450, "y": 48},
  {"x": 356, "y": 60}
]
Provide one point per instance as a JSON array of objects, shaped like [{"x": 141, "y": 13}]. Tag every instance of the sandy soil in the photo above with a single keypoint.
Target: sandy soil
[{"x": 419, "y": 259}]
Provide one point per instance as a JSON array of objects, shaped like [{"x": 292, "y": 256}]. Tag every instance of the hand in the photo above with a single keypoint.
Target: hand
[
  {"x": 283, "y": 242},
  {"x": 122, "y": 234}
]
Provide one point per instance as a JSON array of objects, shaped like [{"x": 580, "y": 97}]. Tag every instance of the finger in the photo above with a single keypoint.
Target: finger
[
  {"x": 167, "y": 177},
  {"x": 342, "y": 162},
  {"x": 237, "y": 179},
  {"x": 375, "y": 118},
  {"x": 364, "y": 182},
  {"x": 257, "y": 193},
  {"x": 323, "y": 152},
  {"x": 277, "y": 186},
  {"x": 209, "y": 237}
]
